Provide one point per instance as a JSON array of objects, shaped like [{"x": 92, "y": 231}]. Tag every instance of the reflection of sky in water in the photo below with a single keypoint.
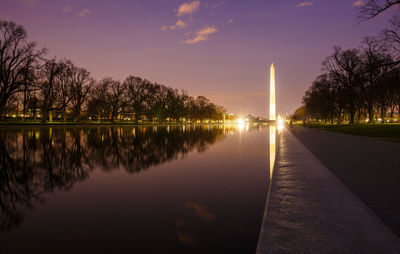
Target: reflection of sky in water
[{"x": 181, "y": 189}]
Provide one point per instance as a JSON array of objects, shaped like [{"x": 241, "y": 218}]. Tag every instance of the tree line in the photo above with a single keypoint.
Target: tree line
[
  {"x": 359, "y": 84},
  {"x": 35, "y": 87}
]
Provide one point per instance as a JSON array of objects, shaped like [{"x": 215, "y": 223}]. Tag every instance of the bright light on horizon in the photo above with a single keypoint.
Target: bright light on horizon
[
  {"x": 241, "y": 123},
  {"x": 280, "y": 124}
]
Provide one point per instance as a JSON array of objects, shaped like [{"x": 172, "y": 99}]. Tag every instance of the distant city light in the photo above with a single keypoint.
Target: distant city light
[
  {"x": 280, "y": 124},
  {"x": 241, "y": 123}
]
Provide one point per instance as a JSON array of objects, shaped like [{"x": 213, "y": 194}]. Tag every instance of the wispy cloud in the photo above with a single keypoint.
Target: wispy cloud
[
  {"x": 305, "y": 4},
  {"x": 229, "y": 21},
  {"x": 29, "y": 2},
  {"x": 188, "y": 8},
  {"x": 66, "y": 9},
  {"x": 179, "y": 24},
  {"x": 84, "y": 12},
  {"x": 202, "y": 35},
  {"x": 358, "y": 3}
]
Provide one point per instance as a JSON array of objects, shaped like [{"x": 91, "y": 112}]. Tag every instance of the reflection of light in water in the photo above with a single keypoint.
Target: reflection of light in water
[
  {"x": 241, "y": 124},
  {"x": 272, "y": 146},
  {"x": 280, "y": 124},
  {"x": 200, "y": 210}
]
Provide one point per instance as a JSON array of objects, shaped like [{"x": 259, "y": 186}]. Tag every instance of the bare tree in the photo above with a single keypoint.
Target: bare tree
[
  {"x": 344, "y": 67},
  {"x": 63, "y": 88},
  {"x": 156, "y": 101},
  {"x": 386, "y": 94},
  {"x": 48, "y": 86},
  {"x": 319, "y": 99},
  {"x": 176, "y": 103},
  {"x": 115, "y": 95},
  {"x": 33, "y": 103},
  {"x": 392, "y": 38},
  {"x": 17, "y": 58},
  {"x": 97, "y": 107},
  {"x": 81, "y": 82},
  {"x": 392, "y": 35},
  {"x": 377, "y": 64},
  {"x": 373, "y": 8},
  {"x": 30, "y": 78},
  {"x": 137, "y": 90}
]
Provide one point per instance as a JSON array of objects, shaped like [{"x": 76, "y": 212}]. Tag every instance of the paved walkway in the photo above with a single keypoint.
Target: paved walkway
[
  {"x": 311, "y": 211},
  {"x": 369, "y": 167}
]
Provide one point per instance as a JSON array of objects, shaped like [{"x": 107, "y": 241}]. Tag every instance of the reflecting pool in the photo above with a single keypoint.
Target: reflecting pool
[{"x": 171, "y": 189}]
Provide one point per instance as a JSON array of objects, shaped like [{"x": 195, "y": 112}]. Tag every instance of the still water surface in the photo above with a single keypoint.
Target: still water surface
[{"x": 177, "y": 189}]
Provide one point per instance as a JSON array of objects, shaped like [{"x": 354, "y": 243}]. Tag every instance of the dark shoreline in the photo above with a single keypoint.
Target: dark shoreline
[{"x": 61, "y": 124}]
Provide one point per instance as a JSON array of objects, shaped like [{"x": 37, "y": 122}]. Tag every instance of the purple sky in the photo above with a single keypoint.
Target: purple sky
[{"x": 220, "y": 49}]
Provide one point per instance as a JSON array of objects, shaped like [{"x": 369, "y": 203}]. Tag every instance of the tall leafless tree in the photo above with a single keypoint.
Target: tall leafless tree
[
  {"x": 64, "y": 81},
  {"x": 344, "y": 67},
  {"x": 137, "y": 92},
  {"x": 49, "y": 85},
  {"x": 115, "y": 94},
  {"x": 81, "y": 82},
  {"x": 377, "y": 64},
  {"x": 18, "y": 57}
]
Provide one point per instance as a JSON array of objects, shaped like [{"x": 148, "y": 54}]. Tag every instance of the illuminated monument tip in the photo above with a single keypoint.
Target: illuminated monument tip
[{"x": 272, "y": 104}]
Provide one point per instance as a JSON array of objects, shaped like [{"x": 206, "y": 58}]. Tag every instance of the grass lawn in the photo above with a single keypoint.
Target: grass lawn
[{"x": 387, "y": 131}]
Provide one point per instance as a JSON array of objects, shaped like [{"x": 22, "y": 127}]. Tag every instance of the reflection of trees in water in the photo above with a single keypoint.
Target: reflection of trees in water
[
  {"x": 135, "y": 149},
  {"x": 36, "y": 161}
]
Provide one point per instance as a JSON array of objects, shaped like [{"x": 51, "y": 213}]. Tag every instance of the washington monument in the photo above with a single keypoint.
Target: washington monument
[{"x": 272, "y": 105}]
